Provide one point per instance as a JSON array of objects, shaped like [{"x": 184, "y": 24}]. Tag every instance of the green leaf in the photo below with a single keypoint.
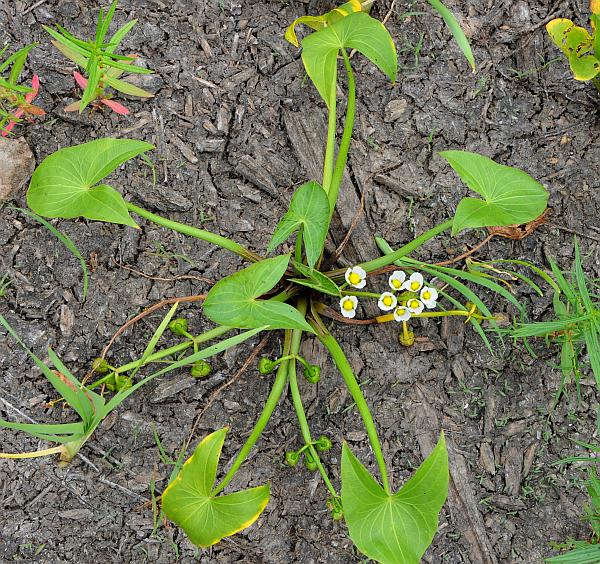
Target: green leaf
[
  {"x": 577, "y": 44},
  {"x": 189, "y": 503},
  {"x": 356, "y": 31},
  {"x": 456, "y": 30},
  {"x": 394, "y": 529},
  {"x": 510, "y": 196},
  {"x": 316, "y": 280},
  {"x": 126, "y": 87},
  {"x": 586, "y": 554},
  {"x": 233, "y": 301},
  {"x": 309, "y": 211},
  {"x": 66, "y": 185}
]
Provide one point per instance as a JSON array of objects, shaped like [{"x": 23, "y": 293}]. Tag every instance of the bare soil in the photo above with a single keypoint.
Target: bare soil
[{"x": 232, "y": 122}]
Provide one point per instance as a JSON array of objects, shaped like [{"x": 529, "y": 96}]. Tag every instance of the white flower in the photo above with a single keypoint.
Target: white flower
[
  {"x": 414, "y": 306},
  {"x": 387, "y": 301},
  {"x": 348, "y": 305},
  {"x": 414, "y": 283},
  {"x": 429, "y": 297},
  {"x": 396, "y": 280},
  {"x": 401, "y": 314},
  {"x": 357, "y": 277}
]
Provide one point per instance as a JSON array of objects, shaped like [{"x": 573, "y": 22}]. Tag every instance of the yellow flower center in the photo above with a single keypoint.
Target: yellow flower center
[
  {"x": 415, "y": 285},
  {"x": 348, "y": 305},
  {"x": 396, "y": 283},
  {"x": 414, "y": 304},
  {"x": 426, "y": 295},
  {"x": 401, "y": 311},
  {"x": 387, "y": 301},
  {"x": 354, "y": 278}
]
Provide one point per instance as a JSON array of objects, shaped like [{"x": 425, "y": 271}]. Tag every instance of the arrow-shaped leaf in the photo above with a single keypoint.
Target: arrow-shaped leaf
[
  {"x": 309, "y": 211},
  {"x": 356, "y": 31},
  {"x": 394, "y": 529},
  {"x": 510, "y": 196},
  {"x": 233, "y": 301},
  {"x": 206, "y": 519},
  {"x": 66, "y": 185}
]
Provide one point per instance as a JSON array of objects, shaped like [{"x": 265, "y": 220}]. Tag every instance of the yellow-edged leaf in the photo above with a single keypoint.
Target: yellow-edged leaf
[{"x": 205, "y": 518}]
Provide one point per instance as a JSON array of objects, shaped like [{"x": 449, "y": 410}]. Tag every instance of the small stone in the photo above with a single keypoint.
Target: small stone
[{"x": 17, "y": 166}]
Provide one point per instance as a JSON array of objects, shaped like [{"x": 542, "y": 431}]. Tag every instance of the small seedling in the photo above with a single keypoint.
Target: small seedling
[
  {"x": 581, "y": 47},
  {"x": 102, "y": 66},
  {"x": 15, "y": 98}
]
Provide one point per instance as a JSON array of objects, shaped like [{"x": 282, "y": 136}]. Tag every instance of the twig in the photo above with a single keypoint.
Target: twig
[
  {"x": 336, "y": 255},
  {"x": 160, "y": 278},
  {"x": 211, "y": 399},
  {"x": 31, "y": 8},
  {"x": 467, "y": 254},
  {"x": 579, "y": 233}
]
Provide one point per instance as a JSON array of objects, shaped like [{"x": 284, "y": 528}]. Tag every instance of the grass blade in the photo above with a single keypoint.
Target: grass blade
[{"x": 457, "y": 32}]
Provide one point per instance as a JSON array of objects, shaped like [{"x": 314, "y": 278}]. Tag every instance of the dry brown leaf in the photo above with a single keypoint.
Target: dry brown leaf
[{"x": 522, "y": 230}]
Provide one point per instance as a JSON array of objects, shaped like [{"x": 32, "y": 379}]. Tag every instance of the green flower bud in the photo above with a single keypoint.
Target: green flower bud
[
  {"x": 309, "y": 462},
  {"x": 123, "y": 382},
  {"x": 179, "y": 326},
  {"x": 407, "y": 340},
  {"x": 312, "y": 373},
  {"x": 323, "y": 444},
  {"x": 266, "y": 365},
  {"x": 334, "y": 504},
  {"x": 111, "y": 383},
  {"x": 100, "y": 366},
  {"x": 200, "y": 369},
  {"x": 292, "y": 458}
]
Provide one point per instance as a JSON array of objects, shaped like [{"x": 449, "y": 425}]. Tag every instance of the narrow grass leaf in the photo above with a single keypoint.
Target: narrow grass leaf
[{"x": 455, "y": 29}]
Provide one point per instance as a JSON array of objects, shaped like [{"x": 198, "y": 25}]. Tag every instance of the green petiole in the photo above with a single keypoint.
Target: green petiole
[
  {"x": 202, "y": 234},
  {"x": 345, "y": 369},
  {"x": 276, "y": 391}
]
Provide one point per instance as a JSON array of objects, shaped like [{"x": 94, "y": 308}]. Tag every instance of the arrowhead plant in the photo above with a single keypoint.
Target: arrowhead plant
[{"x": 287, "y": 293}]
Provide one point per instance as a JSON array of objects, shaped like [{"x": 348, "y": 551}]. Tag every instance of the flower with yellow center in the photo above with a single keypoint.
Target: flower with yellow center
[
  {"x": 396, "y": 280},
  {"x": 414, "y": 283},
  {"x": 414, "y": 306},
  {"x": 429, "y": 297},
  {"x": 348, "y": 305},
  {"x": 401, "y": 313},
  {"x": 356, "y": 276},
  {"x": 387, "y": 301}
]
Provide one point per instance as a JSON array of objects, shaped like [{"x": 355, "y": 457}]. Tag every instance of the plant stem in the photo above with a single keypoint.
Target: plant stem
[
  {"x": 346, "y": 371},
  {"x": 360, "y": 294},
  {"x": 208, "y": 236},
  {"x": 297, "y": 399},
  {"x": 459, "y": 312},
  {"x": 342, "y": 157},
  {"x": 206, "y": 336},
  {"x": 276, "y": 391},
  {"x": 331, "y": 130},
  {"x": 391, "y": 256}
]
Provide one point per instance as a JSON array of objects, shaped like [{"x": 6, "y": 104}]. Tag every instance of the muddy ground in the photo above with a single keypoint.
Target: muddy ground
[{"x": 233, "y": 122}]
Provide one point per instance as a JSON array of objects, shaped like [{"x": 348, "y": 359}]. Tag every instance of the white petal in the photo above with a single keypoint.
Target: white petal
[
  {"x": 347, "y": 275},
  {"x": 349, "y": 314},
  {"x": 360, "y": 271},
  {"x": 429, "y": 304},
  {"x": 405, "y": 316},
  {"x": 360, "y": 285}
]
